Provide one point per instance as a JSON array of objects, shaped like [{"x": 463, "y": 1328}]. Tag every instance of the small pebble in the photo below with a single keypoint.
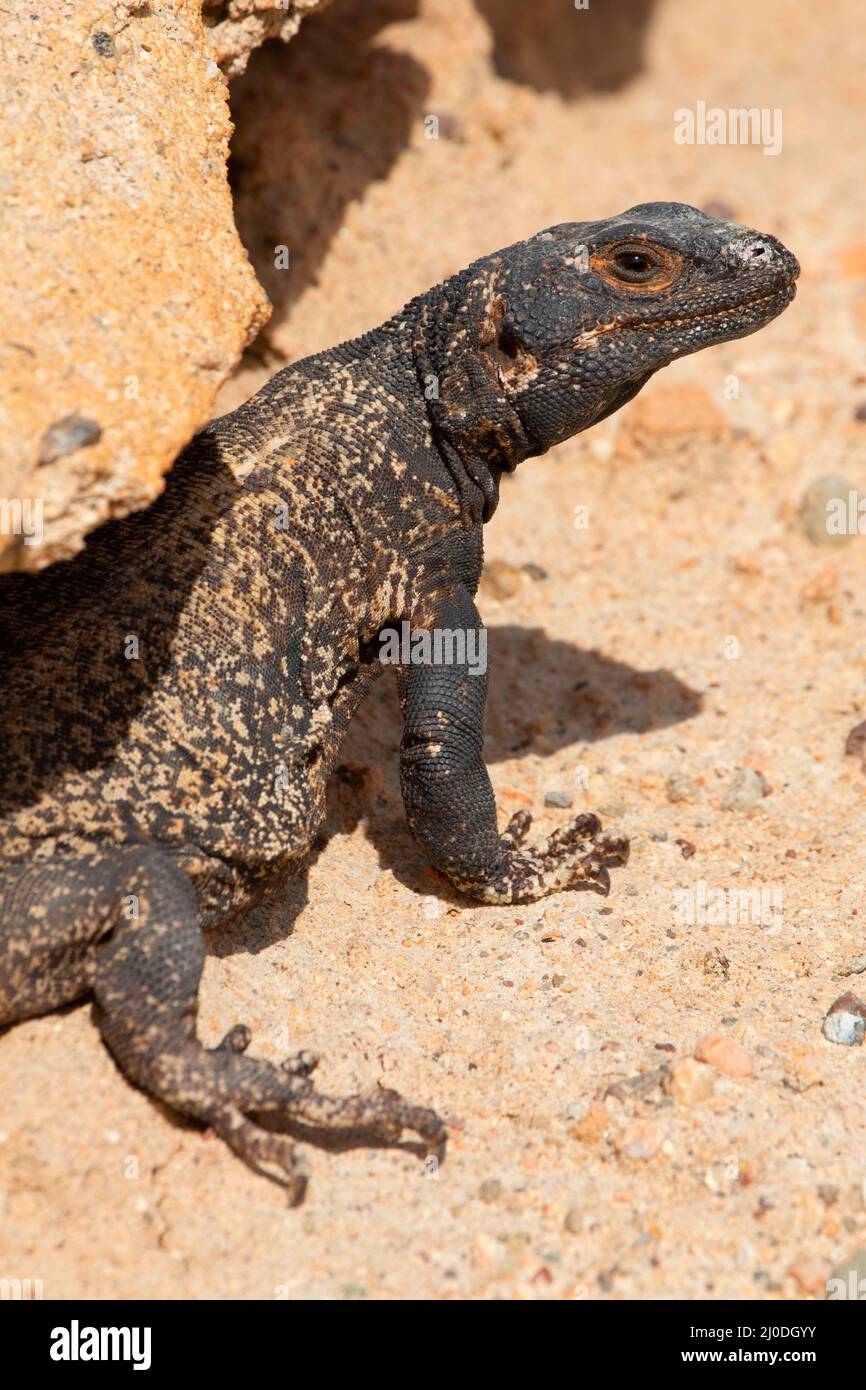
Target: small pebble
[
  {"x": 855, "y": 966},
  {"x": 679, "y": 787},
  {"x": 573, "y": 1222},
  {"x": 691, "y": 1082},
  {"x": 450, "y": 125},
  {"x": 639, "y": 1140},
  {"x": 612, "y": 809},
  {"x": 557, "y": 798},
  {"x": 486, "y": 1249},
  {"x": 846, "y": 1021},
  {"x": 490, "y": 1190},
  {"x": 855, "y": 744},
  {"x": 829, "y": 1193},
  {"x": 811, "y": 1275},
  {"x": 66, "y": 435},
  {"x": 725, "y": 1055},
  {"x": 746, "y": 789},
  {"x": 803, "y": 1071},
  {"x": 717, "y": 963},
  {"x": 820, "y": 586},
  {"x": 104, "y": 44}
]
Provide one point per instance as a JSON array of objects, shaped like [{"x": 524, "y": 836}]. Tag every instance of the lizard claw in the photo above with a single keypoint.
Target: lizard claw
[
  {"x": 613, "y": 850},
  {"x": 300, "y": 1064},
  {"x": 583, "y": 829},
  {"x": 236, "y": 1040},
  {"x": 517, "y": 829},
  {"x": 599, "y": 876},
  {"x": 273, "y": 1155}
]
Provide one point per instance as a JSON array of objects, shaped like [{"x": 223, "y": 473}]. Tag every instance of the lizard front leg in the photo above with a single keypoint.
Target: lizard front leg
[{"x": 447, "y": 793}]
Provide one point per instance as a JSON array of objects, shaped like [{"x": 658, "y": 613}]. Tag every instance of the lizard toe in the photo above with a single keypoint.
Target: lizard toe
[
  {"x": 236, "y": 1040},
  {"x": 273, "y": 1155},
  {"x": 300, "y": 1063},
  {"x": 517, "y": 829}
]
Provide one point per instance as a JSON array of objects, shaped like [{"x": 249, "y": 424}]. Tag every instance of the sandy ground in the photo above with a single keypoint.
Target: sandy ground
[{"x": 691, "y": 629}]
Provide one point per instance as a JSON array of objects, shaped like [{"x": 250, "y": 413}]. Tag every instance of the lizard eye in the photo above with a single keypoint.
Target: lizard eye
[
  {"x": 645, "y": 268},
  {"x": 633, "y": 261},
  {"x": 634, "y": 267}
]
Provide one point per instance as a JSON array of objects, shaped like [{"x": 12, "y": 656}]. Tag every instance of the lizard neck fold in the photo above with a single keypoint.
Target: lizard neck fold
[{"x": 476, "y": 428}]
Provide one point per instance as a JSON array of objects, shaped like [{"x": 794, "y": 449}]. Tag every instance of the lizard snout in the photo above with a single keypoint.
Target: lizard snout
[{"x": 755, "y": 251}]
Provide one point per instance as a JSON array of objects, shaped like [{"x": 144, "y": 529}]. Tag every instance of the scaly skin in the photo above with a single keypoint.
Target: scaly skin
[{"x": 176, "y": 696}]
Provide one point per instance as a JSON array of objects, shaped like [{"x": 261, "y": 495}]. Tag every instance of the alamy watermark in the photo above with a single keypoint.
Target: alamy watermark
[
  {"x": 77, "y": 1343},
  {"x": 705, "y": 906},
  {"x": 852, "y": 1289},
  {"x": 22, "y": 516},
  {"x": 846, "y": 516},
  {"x": 438, "y": 646},
  {"x": 21, "y": 1290},
  {"x": 738, "y": 125}
]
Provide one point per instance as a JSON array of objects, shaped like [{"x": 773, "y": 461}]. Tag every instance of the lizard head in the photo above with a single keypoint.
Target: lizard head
[
  {"x": 591, "y": 309},
  {"x": 538, "y": 342}
]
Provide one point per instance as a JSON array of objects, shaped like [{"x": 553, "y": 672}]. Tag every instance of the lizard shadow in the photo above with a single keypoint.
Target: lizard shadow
[
  {"x": 555, "y": 46},
  {"x": 545, "y": 695},
  {"x": 304, "y": 149}
]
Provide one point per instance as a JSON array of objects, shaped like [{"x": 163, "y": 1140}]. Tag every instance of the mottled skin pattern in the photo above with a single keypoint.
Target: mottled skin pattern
[{"x": 175, "y": 698}]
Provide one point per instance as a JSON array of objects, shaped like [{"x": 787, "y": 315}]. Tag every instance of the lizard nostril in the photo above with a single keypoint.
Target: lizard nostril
[{"x": 760, "y": 251}]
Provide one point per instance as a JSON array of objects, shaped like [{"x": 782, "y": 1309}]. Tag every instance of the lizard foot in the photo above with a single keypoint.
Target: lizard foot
[
  {"x": 577, "y": 854},
  {"x": 244, "y": 1087},
  {"x": 146, "y": 978},
  {"x": 382, "y": 1113}
]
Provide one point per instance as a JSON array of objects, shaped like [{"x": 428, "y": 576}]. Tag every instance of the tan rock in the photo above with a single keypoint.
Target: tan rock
[
  {"x": 803, "y": 1070},
  {"x": 126, "y": 295},
  {"x": 691, "y": 1082},
  {"x": 811, "y": 1275},
  {"x": 679, "y": 409},
  {"x": 725, "y": 1055},
  {"x": 593, "y": 1125},
  {"x": 640, "y": 1140},
  {"x": 245, "y": 24},
  {"x": 821, "y": 585}
]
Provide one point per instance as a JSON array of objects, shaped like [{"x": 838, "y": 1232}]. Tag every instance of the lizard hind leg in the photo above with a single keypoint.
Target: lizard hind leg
[
  {"x": 146, "y": 983},
  {"x": 52, "y": 915}
]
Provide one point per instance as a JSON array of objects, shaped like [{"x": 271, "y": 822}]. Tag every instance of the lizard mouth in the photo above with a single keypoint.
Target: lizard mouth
[
  {"x": 780, "y": 295},
  {"x": 764, "y": 303}
]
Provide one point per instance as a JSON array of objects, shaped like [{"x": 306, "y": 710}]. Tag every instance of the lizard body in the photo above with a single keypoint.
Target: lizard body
[{"x": 175, "y": 698}]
